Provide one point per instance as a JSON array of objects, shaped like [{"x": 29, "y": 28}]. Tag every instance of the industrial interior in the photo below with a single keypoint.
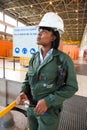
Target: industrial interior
[{"x": 28, "y": 13}]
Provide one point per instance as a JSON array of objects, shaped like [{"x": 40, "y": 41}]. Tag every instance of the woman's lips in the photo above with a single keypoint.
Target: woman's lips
[{"x": 38, "y": 38}]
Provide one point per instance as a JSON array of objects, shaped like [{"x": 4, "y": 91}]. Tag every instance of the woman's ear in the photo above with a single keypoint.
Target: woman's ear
[{"x": 53, "y": 38}]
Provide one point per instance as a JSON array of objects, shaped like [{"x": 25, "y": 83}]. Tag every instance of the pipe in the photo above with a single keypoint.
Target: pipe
[{"x": 7, "y": 109}]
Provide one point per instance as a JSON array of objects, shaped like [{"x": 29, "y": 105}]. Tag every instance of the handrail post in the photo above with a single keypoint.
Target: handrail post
[
  {"x": 3, "y": 67},
  {"x": 14, "y": 64}
]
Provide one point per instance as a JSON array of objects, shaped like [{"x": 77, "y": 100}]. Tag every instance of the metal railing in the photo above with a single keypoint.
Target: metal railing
[{"x": 4, "y": 61}]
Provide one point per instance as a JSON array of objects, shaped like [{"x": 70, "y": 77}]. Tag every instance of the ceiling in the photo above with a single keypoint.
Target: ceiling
[{"x": 73, "y": 13}]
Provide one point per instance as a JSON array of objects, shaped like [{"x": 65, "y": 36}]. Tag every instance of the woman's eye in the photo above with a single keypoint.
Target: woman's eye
[{"x": 42, "y": 30}]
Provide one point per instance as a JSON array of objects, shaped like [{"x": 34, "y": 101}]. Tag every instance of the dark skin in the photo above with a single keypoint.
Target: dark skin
[{"x": 44, "y": 39}]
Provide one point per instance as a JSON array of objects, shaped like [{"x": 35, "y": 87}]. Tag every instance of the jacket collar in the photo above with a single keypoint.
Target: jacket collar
[{"x": 48, "y": 59}]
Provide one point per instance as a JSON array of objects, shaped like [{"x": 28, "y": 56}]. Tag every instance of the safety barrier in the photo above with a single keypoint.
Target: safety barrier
[{"x": 12, "y": 64}]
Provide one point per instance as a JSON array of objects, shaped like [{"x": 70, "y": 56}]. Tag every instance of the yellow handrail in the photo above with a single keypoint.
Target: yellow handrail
[{"x": 7, "y": 109}]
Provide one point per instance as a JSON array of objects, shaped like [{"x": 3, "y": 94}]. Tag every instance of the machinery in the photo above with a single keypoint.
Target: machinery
[{"x": 12, "y": 119}]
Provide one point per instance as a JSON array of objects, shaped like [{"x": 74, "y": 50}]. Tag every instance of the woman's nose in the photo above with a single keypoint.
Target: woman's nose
[{"x": 39, "y": 32}]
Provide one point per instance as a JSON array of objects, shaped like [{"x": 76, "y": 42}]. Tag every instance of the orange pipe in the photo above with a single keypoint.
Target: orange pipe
[{"x": 7, "y": 109}]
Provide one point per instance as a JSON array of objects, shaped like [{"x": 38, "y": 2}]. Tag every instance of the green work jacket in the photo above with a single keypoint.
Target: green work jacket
[{"x": 41, "y": 79}]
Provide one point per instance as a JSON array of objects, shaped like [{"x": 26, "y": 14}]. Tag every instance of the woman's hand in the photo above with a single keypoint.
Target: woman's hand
[
  {"x": 41, "y": 107},
  {"x": 21, "y": 98}
]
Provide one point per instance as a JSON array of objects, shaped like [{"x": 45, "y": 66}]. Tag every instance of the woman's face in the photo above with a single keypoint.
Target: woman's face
[{"x": 45, "y": 37}]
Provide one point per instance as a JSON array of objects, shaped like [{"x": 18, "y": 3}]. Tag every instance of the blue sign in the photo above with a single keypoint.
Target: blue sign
[
  {"x": 24, "y": 50},
  {"x": 32, "y": 50},
  {"x": 17, "y": 50}
]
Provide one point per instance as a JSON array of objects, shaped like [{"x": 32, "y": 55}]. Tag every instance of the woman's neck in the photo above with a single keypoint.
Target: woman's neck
[{"x": 44, "y": 51}]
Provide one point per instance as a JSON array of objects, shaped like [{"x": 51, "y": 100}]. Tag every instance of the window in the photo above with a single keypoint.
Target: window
[
  {"x": 10, "y": 20},
  {"x": 1, "y": 16},
  {"x": 20, "y": 24},
  {"x": 2, "y": 27},
  {"x": 9, "y": 30}
]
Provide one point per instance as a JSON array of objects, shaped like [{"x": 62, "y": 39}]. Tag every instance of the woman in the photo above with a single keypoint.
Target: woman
[{"x": 50, "y": 79}]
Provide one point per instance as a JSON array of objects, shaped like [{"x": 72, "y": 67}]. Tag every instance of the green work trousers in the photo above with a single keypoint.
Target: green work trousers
[{"x": 48, "y": 121}]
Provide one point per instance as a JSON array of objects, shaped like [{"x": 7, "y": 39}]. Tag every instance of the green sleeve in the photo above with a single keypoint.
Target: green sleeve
[
  {"x": 68, "y": 90},
  {"x": 26, "y": 87}
]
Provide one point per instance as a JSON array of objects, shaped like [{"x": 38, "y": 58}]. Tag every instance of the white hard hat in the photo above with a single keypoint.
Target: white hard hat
[{"x": 52, "y": 20}]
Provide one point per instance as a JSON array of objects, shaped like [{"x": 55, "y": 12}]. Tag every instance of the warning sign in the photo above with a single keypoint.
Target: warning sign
[{"x": 24, "y": 41}]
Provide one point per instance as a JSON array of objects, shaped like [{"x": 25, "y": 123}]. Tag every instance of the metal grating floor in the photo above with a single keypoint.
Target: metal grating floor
[{"x": 74, "y": 114}]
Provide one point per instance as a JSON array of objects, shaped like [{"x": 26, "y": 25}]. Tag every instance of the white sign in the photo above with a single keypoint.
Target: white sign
[{"x": 24, "y": 41}]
